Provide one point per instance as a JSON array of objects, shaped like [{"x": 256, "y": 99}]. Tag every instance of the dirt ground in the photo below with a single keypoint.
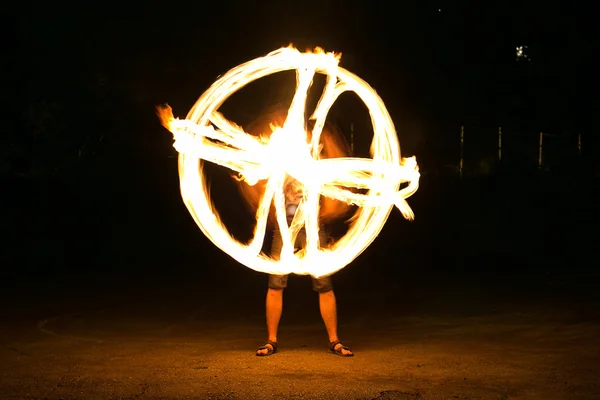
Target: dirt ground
[
  {"x": 484, "y": 296},
  {"x": 139, "y": 346}
]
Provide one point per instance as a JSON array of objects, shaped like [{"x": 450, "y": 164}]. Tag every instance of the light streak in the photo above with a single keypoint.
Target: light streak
[{"x": 206, "y": 135}]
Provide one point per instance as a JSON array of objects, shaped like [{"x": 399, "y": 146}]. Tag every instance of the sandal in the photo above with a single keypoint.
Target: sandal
[
  {"x": 270, "y": 346},
  {"x": 338, "y": 351}
]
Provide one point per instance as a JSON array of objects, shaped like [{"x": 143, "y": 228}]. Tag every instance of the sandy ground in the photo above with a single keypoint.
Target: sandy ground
[
  {"x": 139, "y": 347},
  {"x": 484, "y": 296}
]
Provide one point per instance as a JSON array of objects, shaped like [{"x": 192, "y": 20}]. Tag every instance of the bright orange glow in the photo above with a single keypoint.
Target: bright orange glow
[{"x": 205, "y": 135}]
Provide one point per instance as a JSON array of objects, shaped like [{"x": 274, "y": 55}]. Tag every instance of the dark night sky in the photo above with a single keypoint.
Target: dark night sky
[{"x": 436, "y": 65}]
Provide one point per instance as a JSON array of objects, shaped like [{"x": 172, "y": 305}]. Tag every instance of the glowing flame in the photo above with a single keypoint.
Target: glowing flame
[{"x": 206, "y": 135}]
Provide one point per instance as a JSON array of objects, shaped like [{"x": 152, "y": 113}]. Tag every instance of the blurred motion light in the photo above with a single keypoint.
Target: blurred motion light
[{"x": 206, "y": 135}]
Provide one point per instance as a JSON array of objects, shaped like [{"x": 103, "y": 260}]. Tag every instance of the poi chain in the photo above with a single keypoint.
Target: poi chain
[{"x": 207, "y": 135}]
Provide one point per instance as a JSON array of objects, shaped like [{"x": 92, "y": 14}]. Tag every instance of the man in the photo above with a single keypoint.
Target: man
[{"x": 333, "y": 145}]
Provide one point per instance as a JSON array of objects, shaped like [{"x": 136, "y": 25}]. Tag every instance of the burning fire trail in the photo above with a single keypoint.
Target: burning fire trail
[{"x": 290, "y": 150}]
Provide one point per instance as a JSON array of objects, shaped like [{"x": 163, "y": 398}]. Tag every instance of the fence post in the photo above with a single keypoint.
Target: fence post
[
  {"x": 462, "y": 142},
  {"x": 352, "y": 137},
  {"x": 499, "y": 143},
  {"x": 540, "y": 151}
]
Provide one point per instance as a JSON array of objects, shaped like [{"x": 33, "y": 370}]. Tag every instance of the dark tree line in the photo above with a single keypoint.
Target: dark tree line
[{"x": 85, "y": 86}]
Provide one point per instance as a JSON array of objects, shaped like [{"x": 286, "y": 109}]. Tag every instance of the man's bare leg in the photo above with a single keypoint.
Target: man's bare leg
[
  {"x": 328, "y": 307},
  {"x": 274, "y": 307}
]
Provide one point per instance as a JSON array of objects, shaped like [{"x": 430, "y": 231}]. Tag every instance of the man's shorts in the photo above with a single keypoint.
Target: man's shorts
[
  {"x": 319, "y": 285},
  {"x": 279, "y": 282}
]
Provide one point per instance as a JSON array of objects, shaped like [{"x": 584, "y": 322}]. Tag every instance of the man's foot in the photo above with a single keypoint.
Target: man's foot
[
  {"x": 339, "y": 349},
  {"x": 267, "y": 349}
]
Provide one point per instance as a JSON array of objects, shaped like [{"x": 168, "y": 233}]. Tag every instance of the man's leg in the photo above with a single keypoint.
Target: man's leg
[
  {"x": 274, "y": 308},
  {"x": 328, "y": 307},
  {"x": 274, "y": 303}
]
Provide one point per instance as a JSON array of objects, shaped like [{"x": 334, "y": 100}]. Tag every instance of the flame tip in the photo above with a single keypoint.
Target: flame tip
[{"x": 315, "y": 50}]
